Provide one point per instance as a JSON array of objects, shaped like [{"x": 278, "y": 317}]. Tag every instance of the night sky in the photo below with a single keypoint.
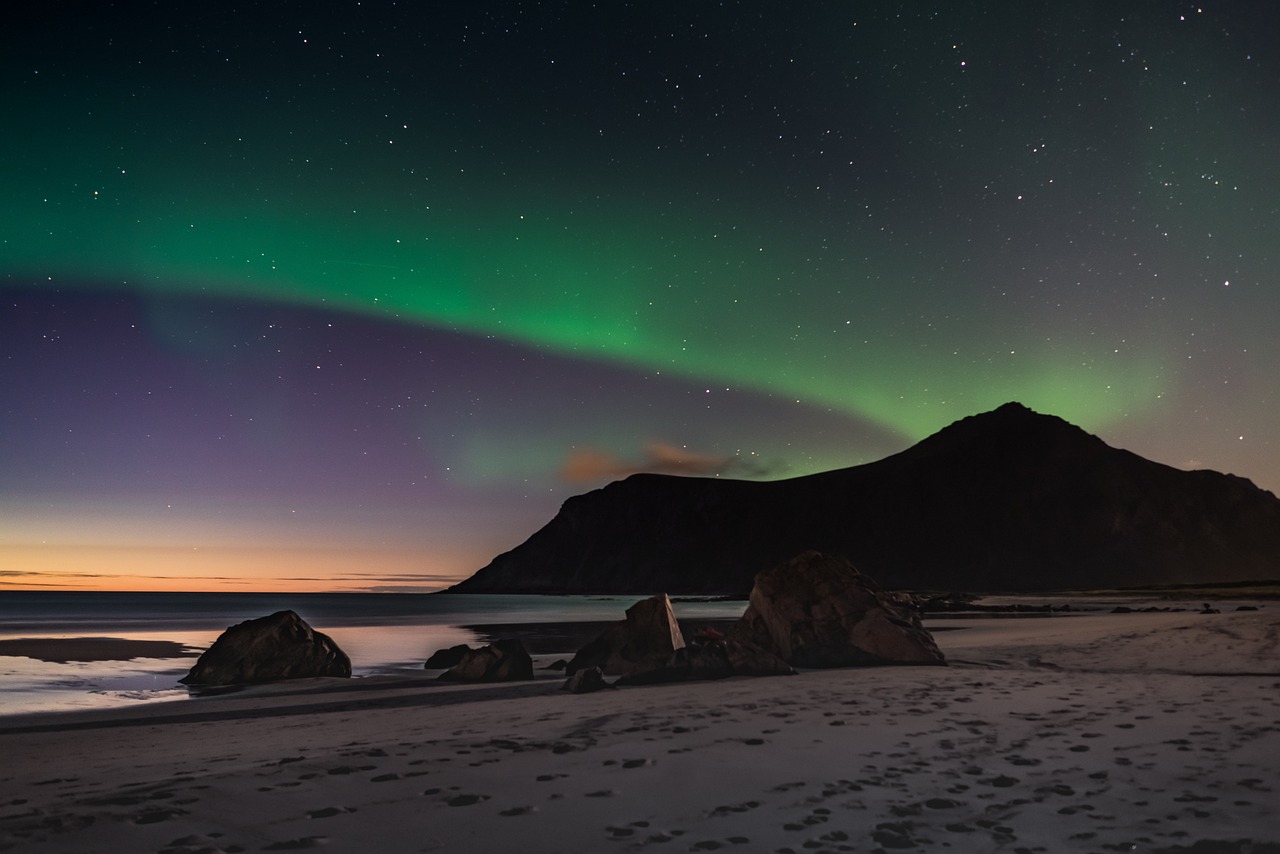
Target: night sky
[{"x": 352, "y": 295}]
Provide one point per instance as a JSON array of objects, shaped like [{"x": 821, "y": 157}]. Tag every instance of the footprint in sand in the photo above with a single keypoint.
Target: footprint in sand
[
  {"x": 1001, "y": 782},
  {"x": 832, "y": 837},
  {"x": 651, "y": 839},
  {"x": 895, "y": 835},
  {"x": 1056, "y": 789},
  {"x": 942, "y": 804},
  {"x": 349, "y": 769},
  {"x": 734, "y": 808},
  {"x": 196, "y": 845},
  {"x": 455, "y": 800},
  {"x": 296, "y": 844},
  {"x": 466, "y": 800},
  {"x": 518, "y": 811},
  {"x": 715, "y": 845},
  {"x": 839, "y": 787},
  {"x": 818, "y": 816},
  {"x": 156, "y": 815},
  {"x": 625, "y": 832},
  {"x": 1023, "y": 761}
]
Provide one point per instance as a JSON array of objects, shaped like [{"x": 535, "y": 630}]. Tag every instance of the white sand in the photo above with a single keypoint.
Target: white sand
[{"x": 1139, "y": 732}]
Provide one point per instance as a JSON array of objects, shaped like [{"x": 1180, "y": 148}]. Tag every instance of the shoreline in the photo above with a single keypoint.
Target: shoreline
[
  {"x": 1079, "y": 734},
  {"x": 52, "y": 671}
]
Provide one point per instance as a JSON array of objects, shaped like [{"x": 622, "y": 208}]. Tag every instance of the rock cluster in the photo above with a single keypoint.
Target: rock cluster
[
  {"x": 586, "y": 680},
  {"x": 279, "y": 646},
  {"x": 444, "y": 658},
  {"x": 644, "y": 641},
  {"x": 712, "y": 658},
  {"x": 501, "y": 661},
  {"x": 811, "y": 611}
]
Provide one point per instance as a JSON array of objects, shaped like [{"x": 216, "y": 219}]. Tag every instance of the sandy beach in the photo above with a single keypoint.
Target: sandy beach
[{"x": 1108, "y": 732}]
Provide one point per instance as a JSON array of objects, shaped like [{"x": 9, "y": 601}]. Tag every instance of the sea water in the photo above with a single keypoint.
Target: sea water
[{"x": 383, "y": 633}]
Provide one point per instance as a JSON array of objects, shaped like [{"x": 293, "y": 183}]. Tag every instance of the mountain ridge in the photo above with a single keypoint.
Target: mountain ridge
[{"x": 1007, "y": 500}]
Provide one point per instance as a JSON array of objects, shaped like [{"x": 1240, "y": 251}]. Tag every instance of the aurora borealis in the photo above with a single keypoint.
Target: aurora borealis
[{"x": 354, "y": 294}]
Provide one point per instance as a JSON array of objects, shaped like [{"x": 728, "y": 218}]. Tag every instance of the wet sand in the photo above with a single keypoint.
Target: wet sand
[
  {"x": 1146, "y": 732},
  {"x": 63, "y": 650}
]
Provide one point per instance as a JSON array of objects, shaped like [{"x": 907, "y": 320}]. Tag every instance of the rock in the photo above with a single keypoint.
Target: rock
[
  {"x": 706, "y": 658},
  {"x": 643, "y": 641},
  {"x": 445, "y": 658},
  {"x": 586, "y": 680},
  {"x": 819, "y": 611},
  {"x": 281, "y": 646},
  {"x": 502, "y": 661},
  {"x": 679, "y": 667},
  {"x": 748, "y": 659},
  {"x": 648, "y": 648}
]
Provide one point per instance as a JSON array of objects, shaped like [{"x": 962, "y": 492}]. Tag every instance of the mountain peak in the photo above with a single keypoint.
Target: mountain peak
[
  {"x": 1013, "y": 408},
  {"x": 1013, "y": 414},
  {"x": 1011, "y": 430}
]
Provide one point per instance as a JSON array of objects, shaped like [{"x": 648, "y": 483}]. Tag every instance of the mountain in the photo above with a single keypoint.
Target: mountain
[{"x": 1009, "y": 500}]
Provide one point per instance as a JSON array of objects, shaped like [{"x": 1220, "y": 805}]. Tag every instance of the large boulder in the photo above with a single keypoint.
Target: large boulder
[
  {"x": 643, "y": 641},
  {"x": 281, "y": 646},
  {"x": 819, "y": 611},
  {"x": 502, "y": 661}
]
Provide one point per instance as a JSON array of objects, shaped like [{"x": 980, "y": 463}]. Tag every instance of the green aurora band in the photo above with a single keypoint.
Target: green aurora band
[
  {"x": 712, "y": 289},
  {"x": 592, "y": 294}
]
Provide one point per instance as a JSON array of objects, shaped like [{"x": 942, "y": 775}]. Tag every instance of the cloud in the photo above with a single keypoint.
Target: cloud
[
  {"x": 14, "y": 573},
  {"x": 584, "y": 465},
  {"x": 23, "y": 579}
]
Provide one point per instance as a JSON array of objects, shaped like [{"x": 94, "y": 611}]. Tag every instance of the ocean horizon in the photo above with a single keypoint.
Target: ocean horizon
[{"x": 383, "y": 633}]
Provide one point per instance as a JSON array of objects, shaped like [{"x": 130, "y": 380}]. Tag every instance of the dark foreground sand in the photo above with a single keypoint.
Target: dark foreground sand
[{"x": 1138, "y": 732}]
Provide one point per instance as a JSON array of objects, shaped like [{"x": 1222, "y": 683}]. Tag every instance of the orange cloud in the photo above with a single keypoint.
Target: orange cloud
[{"x": 584, "y": 465}]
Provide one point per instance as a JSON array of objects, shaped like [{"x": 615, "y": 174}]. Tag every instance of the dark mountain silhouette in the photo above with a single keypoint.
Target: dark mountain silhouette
[{"x": 1007, "y": 500}]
